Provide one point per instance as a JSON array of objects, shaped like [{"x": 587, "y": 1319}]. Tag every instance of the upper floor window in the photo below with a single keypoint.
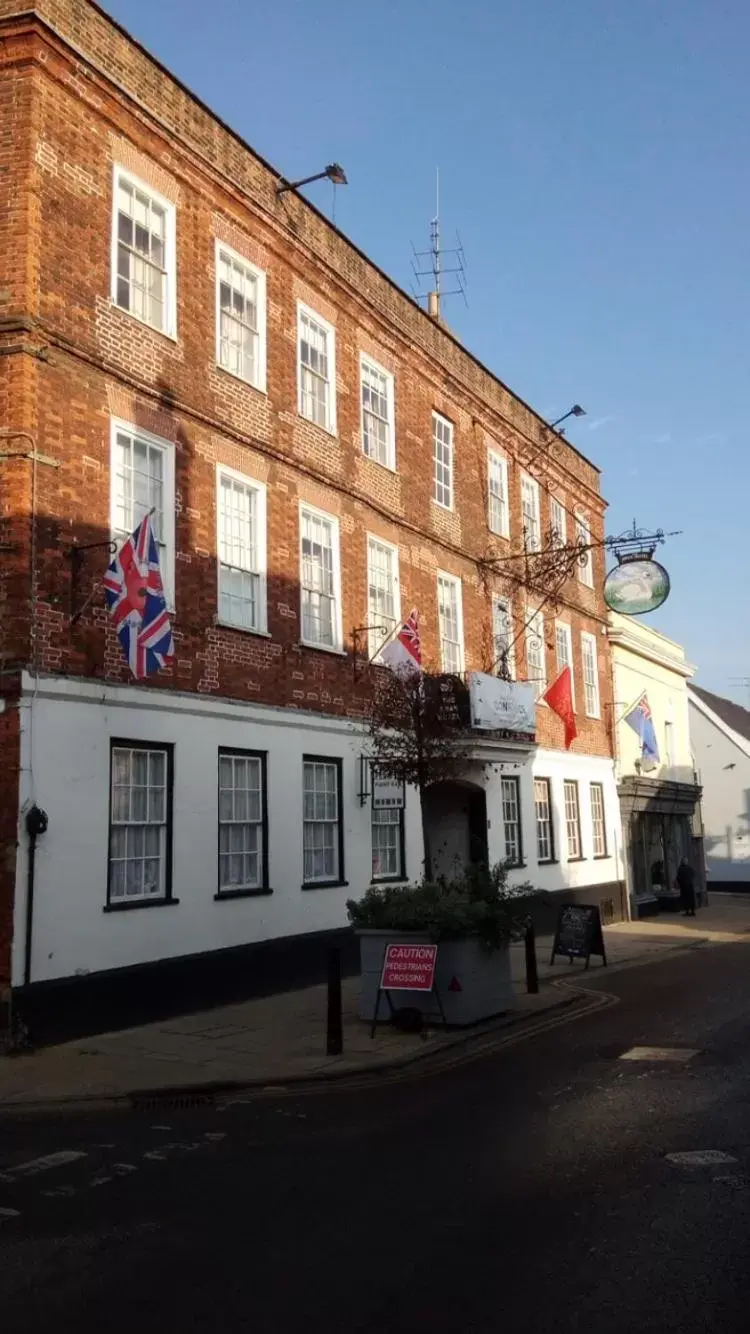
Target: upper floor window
[
  {"x": 497, "y": 517},
  {"x": 142, "y": 479},
  {"x": 450, "y": 621},
  {"x": 240, "y": 317},
  {"x": 590, "y": 674},
  {"x": 320, "y": 578},
  {"x": 378, "y": 435},
  {"x": 564, "y": 652},
  {"x": 586, "y": 566},
  {"x": 442, "y": 461},
  {"x": 532, "y": 527},
  {"x": 558, "y": 522},
  {"x": 317, "y": 369},
  {"x": 502, "y": 637},
  {"x": 383, "y": 608},
  {"x": 143, "y": 253},
  {"x": 241, "y": 543},
  {"x": 536, "y": 667}
]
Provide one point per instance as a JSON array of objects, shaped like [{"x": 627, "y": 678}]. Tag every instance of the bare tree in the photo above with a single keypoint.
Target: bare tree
[{"x": 419, "y": 733}]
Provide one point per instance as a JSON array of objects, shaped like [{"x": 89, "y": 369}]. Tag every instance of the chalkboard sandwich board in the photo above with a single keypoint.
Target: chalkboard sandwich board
[{"x": 578, "y": 933}]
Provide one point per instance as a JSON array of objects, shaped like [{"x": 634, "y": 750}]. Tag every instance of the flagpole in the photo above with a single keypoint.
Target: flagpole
[{"x": 398, "y": 627}]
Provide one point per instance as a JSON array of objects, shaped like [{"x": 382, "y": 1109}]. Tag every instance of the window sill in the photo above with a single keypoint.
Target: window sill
[
  {"x": 389, "y": 467},
  {"x": 504, "y": 537},
  {"x": 242, "y": 894},
  {"x": 140, "y": 903},
  {"x": 323, "y": 648},
  {"x": 162, "y": 333},
  {"x": 595, "y": 717},
  {"x": 575, "y": 859},
  {"x": 328, "y": 430},
  {"x": 241, "y": 629},
  {"x": 259, "y": 388},
  {"x": 389, "y": 880},
  {"x": 601, "y": 857},
  {"x": 516, "y": 866},
  {"x": 325, "y": 884},
  {"x": 549, "y": 861},
  {"x": 447, "y": 509}
]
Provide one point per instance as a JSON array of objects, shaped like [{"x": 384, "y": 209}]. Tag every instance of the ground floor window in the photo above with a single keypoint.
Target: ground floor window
[
  {"x": 388, "y": 844},
  {"x": 598, "y": 826},
  {"x": 242, "y": 820},
  {"x": 140, "y": 823},
  {"x": 323, "y": 852},
  {"x": 572, "y": 820},
  {"x": 545, "y": 846},
  {"x": 511, "y": 800}
]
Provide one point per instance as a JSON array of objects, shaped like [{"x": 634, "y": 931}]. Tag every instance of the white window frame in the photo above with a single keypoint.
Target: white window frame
[
  {"x": 259, "y": 489},
  {"x": 374, "y": 636},
  {"x": 598, "y": 821},
  {"x": 450, "y": 579},
  {"x": 559, "y": 529},
  {"x": 586, "y": 568},
  {"x": 163, "y": 889},
  {"x": 449, "y": 445},
  {"x": 512, "y": 784},
  {"x": 167, "y": 536},
  {"x": 259, "y": 380},
  {"x": 506, "y": 603},
  {"x": 564, "y": 632},
  {"x": 544, "y": 826},
  {"x": 231, "y": 888},
  {"x": 591, "y": 700},
  {"x": 535, "y": 630},
  {"x": 572, "y": 813},
  {"x": 497, "y": 464},
  {"x": 337, "y": 646},
  {"x": 329, "y": 330},
  {"x": 334, "y": 763},
  {"x": 170, "y": 242},
  {"x": 532, "y": 538},
  {"x": 390, "y": 394},
  {"x": 391, "y": 818}
]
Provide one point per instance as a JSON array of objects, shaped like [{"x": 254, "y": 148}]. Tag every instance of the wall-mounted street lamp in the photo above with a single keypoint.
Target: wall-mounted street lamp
[
  {"x": 575, "y": 411},
  {"x": 333, "y": 172}
]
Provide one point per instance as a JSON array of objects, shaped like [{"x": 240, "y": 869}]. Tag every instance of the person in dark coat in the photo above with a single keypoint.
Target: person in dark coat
[{"x": 686, "y": 886}]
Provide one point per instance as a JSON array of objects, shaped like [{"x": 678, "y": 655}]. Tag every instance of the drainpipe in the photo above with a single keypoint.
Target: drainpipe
[{"x": 36, "y": 824}]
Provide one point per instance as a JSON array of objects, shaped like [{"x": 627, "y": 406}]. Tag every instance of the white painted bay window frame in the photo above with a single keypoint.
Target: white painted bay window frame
[
  {"x": 306, "y": 313},
  {"x": 335, "y": 595},
  {"x": 232, "y": 561},
  {"x": 449, "y": 582},
  {"x": 498, "y": 508},
  {"x": 368, "y": 364},
  {"x": 144, "y": 196},
  {"x": 590, "y": 663},
  {"x": 257, "y": 377}
]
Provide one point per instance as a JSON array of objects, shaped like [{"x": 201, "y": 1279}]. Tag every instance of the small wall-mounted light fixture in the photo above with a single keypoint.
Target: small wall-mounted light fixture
[{"x": 334, "y": 172}]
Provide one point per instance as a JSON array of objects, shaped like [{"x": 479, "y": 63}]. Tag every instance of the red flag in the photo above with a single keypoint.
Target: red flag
[{"x": 560, "y": 699}]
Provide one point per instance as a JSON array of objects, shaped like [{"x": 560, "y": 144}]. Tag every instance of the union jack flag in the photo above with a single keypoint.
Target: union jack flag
[
  {"x": 404, "y": 652},
  {"x": 135, "y": 596}
]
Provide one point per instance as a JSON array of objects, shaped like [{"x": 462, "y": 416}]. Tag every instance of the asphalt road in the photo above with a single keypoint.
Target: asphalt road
[{"x": 529, "y": 1189}]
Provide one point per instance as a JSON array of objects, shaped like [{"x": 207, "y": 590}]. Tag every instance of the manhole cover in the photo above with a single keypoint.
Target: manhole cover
[{"x": 679, "y": 1055}]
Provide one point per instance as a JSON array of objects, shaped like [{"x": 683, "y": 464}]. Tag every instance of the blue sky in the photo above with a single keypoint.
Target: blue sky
[{"x": 593, "y": 156}]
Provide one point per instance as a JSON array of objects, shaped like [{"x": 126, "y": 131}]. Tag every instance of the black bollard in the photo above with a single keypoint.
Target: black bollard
[
  {"x": 334, "y": 1030},
  {"x": 532, "y": 976}
]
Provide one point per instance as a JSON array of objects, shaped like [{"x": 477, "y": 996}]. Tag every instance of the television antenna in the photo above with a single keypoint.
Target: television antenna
[{"x": 430, "y": 264}]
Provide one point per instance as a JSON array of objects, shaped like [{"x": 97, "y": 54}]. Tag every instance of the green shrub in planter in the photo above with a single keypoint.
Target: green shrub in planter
[{"x": 479, "y": 903}]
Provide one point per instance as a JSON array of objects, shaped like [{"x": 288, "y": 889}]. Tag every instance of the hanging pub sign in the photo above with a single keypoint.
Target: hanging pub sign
[
  {"x": 387, "y": 792},
  {"x": 638, "y": 584}
]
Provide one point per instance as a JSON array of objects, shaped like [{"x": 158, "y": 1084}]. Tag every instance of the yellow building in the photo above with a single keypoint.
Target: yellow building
[{"x": 657, "y": 784}]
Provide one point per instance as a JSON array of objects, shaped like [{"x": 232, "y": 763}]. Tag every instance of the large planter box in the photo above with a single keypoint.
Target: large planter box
[{"x": 484, "y": 977}]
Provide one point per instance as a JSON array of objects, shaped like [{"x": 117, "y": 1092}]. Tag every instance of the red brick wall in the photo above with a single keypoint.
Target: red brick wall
[{"x": 98, "y": 361}]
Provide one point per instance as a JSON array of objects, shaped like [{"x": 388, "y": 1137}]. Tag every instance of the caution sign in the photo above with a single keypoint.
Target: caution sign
[{"x": 409, "y": 968}]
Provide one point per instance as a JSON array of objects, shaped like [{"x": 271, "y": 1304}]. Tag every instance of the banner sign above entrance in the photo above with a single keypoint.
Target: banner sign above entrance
[
  {"x": 503, "y": 706},
  {"x": 387, "y": 793}
]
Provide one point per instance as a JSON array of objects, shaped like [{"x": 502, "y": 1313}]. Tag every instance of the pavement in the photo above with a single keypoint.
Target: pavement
[
  {"x": 280, "y": 1039},
  {"x": 591, "y": 1178}
]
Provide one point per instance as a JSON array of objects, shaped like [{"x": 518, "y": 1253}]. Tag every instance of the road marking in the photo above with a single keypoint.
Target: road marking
[
  {"x": 60, "y": 1190},
  {"x": 679, "y": 1055},
  {"x": 215, "y": 1135},
  {"x": 7, "y": 1214},
  {"x": 45, "y": 1164},
  {"x": 700, "y": 1158}
]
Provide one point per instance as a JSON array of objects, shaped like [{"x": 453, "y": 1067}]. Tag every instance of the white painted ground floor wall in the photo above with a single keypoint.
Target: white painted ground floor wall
[{"x": 67, "y": 730}]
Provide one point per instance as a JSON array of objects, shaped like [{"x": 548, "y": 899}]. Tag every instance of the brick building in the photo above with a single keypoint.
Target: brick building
[{"x": 322, "y": 455}]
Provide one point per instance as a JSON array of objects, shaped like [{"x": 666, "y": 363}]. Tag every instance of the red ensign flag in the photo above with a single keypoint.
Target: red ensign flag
[{"x": 560, "y": 699}]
